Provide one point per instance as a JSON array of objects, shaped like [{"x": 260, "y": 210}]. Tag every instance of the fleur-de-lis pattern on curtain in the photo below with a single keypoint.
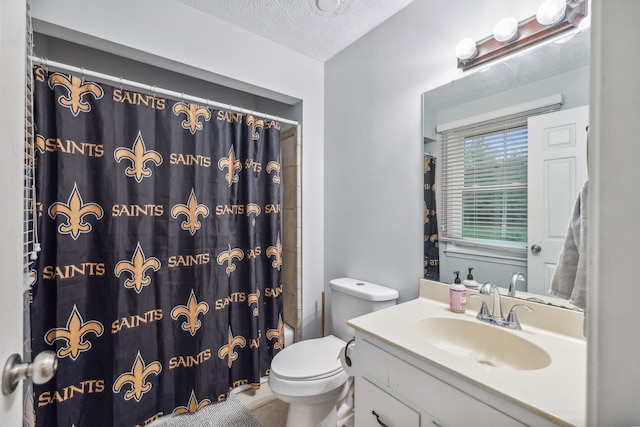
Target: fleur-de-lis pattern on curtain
[
  {"x": 159, "y": 281},
  {"x": 431, "y": 251}
]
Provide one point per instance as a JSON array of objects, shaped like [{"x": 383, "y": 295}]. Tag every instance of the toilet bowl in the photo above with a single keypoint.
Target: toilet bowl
[
  {"x": 310, "y": 378},
  {"x": 308, "y": 375}
]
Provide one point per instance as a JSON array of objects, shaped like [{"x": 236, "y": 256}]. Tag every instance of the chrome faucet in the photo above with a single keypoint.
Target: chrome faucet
[
  {"x": 516, "y": 277},
  {"x": 496, "y": 317}
]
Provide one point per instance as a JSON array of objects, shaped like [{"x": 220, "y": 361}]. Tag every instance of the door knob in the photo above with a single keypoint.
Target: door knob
[
  {"x": 536, "y": 248},
  {"x": 41, "y": 370}
]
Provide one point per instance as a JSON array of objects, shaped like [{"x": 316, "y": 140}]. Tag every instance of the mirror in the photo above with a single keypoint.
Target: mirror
[{"x": 561, "y": 67}]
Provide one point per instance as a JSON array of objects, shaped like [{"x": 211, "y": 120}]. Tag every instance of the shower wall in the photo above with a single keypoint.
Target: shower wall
[{"x": 292, "y": 229}]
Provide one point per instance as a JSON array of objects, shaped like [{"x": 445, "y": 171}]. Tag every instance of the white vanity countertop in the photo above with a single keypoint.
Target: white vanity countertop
[{"x": 556, "y": 392}]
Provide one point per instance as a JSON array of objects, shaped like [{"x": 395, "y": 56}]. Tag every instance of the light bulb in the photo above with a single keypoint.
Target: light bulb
[
  {"x": 506, "y": 30},
  {"x": 551, "y": 12},
  {"x": 466, "y": 49}
]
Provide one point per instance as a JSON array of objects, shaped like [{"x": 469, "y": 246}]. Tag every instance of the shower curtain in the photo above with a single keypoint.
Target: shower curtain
[
  {"x": 159, "y": 280},
  {"x": 431, "y": 251}
]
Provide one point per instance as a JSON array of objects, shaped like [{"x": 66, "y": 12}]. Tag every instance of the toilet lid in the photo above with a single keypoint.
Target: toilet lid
[{"x": 309, "y": 359}]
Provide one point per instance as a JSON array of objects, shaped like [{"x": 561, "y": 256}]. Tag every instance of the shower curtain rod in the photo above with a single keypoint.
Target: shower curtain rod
[{"x": 156, "y": 90}]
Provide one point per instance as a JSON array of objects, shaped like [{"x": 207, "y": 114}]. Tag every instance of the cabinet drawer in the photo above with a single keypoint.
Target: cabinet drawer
[
  {"x": 426, "y": 391},
  {"x": 391, "y": 411}
]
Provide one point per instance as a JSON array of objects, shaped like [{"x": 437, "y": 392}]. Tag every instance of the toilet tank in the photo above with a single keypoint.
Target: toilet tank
[{"x": 351, "y": 298}]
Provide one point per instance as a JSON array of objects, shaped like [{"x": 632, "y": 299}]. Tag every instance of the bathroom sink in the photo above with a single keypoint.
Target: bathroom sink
[{"x": 484, "y": 343}]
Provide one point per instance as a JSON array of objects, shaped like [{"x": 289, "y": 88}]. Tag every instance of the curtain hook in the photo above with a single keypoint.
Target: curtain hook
[
  {"x": 120, "y": 82},
  {"x": 183, "y": 98},
  {"x": 82, "y": 81}
]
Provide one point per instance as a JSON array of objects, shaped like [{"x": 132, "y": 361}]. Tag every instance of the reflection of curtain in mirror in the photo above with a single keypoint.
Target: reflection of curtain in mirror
[{"x": 431, "y": 254}]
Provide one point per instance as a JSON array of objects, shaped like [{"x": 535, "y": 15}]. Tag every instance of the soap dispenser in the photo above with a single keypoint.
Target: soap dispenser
[
  {"x": 457, "y": 295},
  {"x": 469, "y": 283}
]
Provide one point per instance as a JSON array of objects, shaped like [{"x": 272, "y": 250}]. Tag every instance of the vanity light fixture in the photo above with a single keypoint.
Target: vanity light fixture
[{"x": 552, "y": 18}]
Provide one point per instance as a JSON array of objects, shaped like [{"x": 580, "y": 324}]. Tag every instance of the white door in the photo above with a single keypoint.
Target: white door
[
  {"x": 12, "y": 71},
  {"x": 557, "y": 169}
]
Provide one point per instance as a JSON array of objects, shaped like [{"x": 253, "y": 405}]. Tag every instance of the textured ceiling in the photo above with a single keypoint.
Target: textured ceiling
[{"x": 299, "y": 25}]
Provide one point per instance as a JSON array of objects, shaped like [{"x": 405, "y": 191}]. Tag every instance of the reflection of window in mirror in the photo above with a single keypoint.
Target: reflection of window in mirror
[{"x": 484, "y": 182}]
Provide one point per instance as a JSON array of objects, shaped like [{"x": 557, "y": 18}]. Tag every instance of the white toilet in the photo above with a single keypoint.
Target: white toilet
[{"x": 308, "y": 374}]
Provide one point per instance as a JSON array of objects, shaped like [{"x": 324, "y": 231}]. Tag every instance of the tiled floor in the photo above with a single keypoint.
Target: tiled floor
[
  {"x": 272, "y": 414},
  {"x": 265, "y": 407}
]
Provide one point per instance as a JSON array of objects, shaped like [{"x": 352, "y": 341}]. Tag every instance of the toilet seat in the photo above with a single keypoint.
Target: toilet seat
[
  {"x": 309, "y": 360},
  {"x": 309, "y": 370}
]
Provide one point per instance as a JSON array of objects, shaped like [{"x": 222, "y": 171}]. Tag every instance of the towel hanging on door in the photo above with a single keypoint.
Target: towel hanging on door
[{"x": 570, "y": 277}]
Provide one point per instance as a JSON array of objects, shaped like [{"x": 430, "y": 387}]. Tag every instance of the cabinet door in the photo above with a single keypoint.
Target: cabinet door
[
  {"x": 430, "y": 394},
  {"x": 371, "y": 401}
]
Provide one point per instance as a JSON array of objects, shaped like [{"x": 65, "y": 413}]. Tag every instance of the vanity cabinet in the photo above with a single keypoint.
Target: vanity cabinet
[
  {"x": 405, "y": 391},
  {"x": 376, "y": 404}
]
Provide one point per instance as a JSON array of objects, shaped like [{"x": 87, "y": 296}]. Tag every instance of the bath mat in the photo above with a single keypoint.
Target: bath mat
[{"x": 231, "y": 412}]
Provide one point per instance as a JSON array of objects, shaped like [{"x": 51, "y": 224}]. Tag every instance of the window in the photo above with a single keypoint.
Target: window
[{"x": 484, "y": 183}]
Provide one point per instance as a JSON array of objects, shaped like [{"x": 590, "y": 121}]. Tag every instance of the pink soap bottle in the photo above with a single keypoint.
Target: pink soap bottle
[{"x": 457, "y": 295}]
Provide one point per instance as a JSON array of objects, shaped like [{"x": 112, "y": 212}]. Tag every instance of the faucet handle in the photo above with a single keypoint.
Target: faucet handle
[
  {"x": 512, "y": 319},
  {"x": 483, "y": 313}
]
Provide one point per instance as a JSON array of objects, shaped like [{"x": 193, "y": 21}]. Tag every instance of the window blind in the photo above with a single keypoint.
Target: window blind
[{"x": 484, "y": 182}]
